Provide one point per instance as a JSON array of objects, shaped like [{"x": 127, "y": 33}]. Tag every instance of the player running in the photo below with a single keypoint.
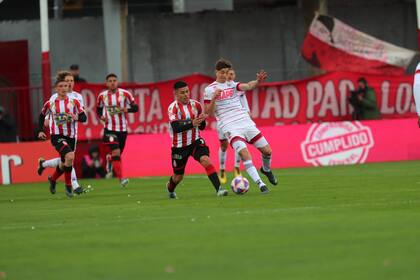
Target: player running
[
  {"x": 222, "y": 99},
  {"x": 224, "y": 143},
  {"x": 53, "y": 163},
  {"x": 64, "y": 112},
  {"x": 186, "y": 119},
  {"x": 117, "y": 103}
]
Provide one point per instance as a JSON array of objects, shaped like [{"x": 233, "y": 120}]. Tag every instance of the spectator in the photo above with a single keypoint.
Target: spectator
[
  {"x": 364, "y": 103},
  {"x": 92, "y": 164},
  {"x": 74, "y": 70},
  {"x": 7, "y": 127}
]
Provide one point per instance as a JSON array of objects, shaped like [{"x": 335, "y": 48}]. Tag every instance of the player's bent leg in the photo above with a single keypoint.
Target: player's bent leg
[
  {"x": 237, "y": 164},
  {"x": 68, "y": 167},
  {"x": 266, "y": 152},
  {"x": 116, "y": 166},
  {"x": 174, "y": 180},
  {"x": 212, "y": 175}
]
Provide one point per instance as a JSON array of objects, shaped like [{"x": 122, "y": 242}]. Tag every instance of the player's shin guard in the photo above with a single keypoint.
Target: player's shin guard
[
  {"x": 253, "y": 173},
  {"x": 222, "y": 158},
  {"x": 74, "y": 182},
  {"x": 116, "y": 166},
  {"x": 266, "y": 159},
  {"x": 171, "y": 185},
  {"x": 214, "y": 179},
  {"x": 51, "y": 162},
  {"x": 67, "y": 175},
  {"x": 58, "y": 172},
  {"x": 237, "y": 160}
]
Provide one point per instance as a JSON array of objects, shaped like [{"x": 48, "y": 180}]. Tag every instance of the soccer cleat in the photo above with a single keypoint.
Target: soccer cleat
[
  {"x": 222, "y": 176},
  {"x": 124, "y": 182},
  {"x": 40, "y": 167},
  {"x": 69, "y": 191},
  {"x": 52, "y": 185},
  {"x": 172, "y": 195},
  {"x": 264, "y": 189},
  {"x": 79, "y": 190},
  {"x": 237, "y": 172},
  {"x": 222, "y": 192},
  {"x": 270, "y": 176}
]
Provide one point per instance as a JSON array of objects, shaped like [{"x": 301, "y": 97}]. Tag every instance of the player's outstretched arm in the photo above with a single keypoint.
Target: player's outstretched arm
[{"x": 261, "y": 77}]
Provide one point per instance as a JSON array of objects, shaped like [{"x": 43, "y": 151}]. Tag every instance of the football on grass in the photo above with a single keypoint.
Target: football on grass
[{"x": 240, "y": 185}]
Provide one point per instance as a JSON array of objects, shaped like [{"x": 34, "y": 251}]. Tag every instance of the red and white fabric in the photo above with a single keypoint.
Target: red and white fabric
[
  {"x": 114, "y": 104},
  {"x": 179, "y": 111},
  {"x": 74, "y": 95},
  {"x": 229, "y": 111},
  {"x": 61, "y": 111}
]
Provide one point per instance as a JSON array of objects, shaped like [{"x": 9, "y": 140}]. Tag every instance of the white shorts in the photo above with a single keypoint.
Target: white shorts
[
  {"x": 221, "y": 135},
  {"x": 249, "y": 134}
]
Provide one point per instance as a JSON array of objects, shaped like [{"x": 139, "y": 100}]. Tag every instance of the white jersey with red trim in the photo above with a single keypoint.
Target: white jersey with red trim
[
  {"x": 61, "y": 111},
  {"x": 229, "y": 111},
  {"x": 178, "y": 111},
  {"x": 416, "y": 89},
  {"x": 114, "y": 104},
  {"x": 74, "y": 95}
]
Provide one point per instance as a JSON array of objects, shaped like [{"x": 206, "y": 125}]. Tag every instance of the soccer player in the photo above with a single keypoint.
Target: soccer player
[
  {"x": 64, "y": 112},
  {"x": 112, "y": 108},
  {"x": 222, "y": 99},
  {"x": 416, "y": 91},
  {"x": 53, "y": 163},
  {"x": 231, "y": 75},
  {"x": 186, "y": 119}
]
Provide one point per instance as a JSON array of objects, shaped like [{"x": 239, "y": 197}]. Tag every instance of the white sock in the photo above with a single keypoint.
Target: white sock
[
  {"x": 74, "y": 182},
  {"x": 237, "y": 160},
  {"x": 222, "y": 158},
  {"x": 253, "y": 173},
  {"x": 266, "y": 162},
  {"x": 51, "y": 162}
]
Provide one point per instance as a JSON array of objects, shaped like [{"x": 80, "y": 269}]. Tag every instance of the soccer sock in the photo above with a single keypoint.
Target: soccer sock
[
  {"x": 51, "y": 162},
  {"x": 116, "y": 166},
  {"x": 214, "y": 179},
  {"x": 266, "y": 162},
  {"x": 237, "y": 160},
  {"x": 58, "y": 172},
  {"x": 253, "y": 173},
  {"x": 171, "y": 185},
  {"x": 74, "y": 182},
  {"x": 67, "y": 175},
  {"x": 222, "y": 158}
]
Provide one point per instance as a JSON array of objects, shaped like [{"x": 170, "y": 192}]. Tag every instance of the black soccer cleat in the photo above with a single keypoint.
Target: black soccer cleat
[
  {"x": 52, "y": 185},
  {"x": 264, "y": 189},
  {"x": 69, "y": 191},
  {"x": 270, "y": 176},
  {"x": 79, "y": 190},
  {"x": 40, "y": 167}
]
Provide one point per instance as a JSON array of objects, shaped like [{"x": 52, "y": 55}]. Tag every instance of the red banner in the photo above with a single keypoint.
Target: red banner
[{"x": 318, "y": 99}]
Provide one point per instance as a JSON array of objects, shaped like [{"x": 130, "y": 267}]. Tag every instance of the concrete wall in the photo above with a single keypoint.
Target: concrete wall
[{"x": 165, "y": 46}]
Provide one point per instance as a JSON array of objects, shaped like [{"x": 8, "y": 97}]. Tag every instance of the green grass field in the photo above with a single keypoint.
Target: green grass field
[{"x": 348, "y": 222}]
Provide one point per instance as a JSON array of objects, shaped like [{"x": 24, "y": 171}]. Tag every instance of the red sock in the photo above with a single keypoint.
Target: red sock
[
  {"x": 58, "y": 172},
  {"x": 210, "y": 169},
  {"x": 116, "y": 166},
  {"x": 67, "y": 175},
  {"x": 171, "y": 185}
]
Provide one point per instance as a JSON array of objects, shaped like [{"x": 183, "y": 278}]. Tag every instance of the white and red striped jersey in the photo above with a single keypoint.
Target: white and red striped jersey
[
  {"x": 60, "y": 111},
  {"x": 74, "y": 95},
  {"x": 229, "y": 111},
  {"x": 179, "y": 111},
  {"x": 114, "y": 105}
]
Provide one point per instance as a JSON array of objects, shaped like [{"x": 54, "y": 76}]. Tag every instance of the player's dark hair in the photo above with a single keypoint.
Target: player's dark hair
[
  {"x": 62, "y": 75},
  {"x": 223, "y": 63},
  {"x": 180, "y": 84},
  {"x": 362, "y": 80},
  {"x": 59, "y": 80},
  {"x": 110, "y": 75}
]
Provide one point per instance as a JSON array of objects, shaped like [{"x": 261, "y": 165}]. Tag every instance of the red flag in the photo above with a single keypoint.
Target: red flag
[{"x": 335, "y": 46}]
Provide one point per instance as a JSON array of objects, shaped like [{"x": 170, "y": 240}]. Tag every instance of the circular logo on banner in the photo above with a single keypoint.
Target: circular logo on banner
[{"x": 337, "y": 143}]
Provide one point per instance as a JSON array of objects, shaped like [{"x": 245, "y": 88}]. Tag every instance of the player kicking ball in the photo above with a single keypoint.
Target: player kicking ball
[
  {"x": 223, "y": 140},
  {"x": 222, "y": 98},
  {"x": 64, "y": 113},
  {"x": 112, "y": 108},
  {"x": 186, "y": 119},
  {"x": 53, "y": 163}
]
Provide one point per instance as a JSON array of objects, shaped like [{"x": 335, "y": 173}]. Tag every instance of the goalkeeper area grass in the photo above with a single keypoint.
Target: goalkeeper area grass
[{"x": 344, "y": 222}]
